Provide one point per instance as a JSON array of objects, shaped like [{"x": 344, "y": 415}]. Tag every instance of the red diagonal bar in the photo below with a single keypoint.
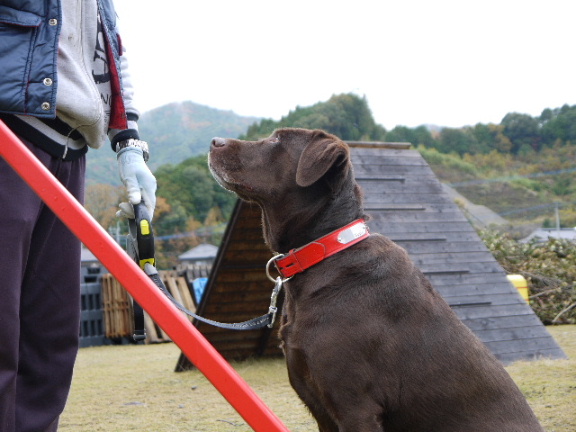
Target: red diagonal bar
[{"x": 181, "y": 331}]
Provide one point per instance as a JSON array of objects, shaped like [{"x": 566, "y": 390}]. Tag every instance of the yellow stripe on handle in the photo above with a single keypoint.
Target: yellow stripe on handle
[{"x": 144, "y": 227}]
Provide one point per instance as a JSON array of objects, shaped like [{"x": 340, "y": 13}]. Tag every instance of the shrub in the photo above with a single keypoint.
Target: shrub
[{"x": 549, "y": 268}]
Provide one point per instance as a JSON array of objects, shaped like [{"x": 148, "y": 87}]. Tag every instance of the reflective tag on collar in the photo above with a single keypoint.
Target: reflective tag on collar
[{"x": 352, "y": 233}]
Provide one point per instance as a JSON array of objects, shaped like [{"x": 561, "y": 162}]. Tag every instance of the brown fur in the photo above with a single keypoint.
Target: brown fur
[{"x": 370, "y": 345}]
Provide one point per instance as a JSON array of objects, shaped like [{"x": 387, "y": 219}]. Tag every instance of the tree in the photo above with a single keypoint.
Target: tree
[
  {"x": 490, "y": 137},
  {"x": 347, "y": 116},
  {"x": 417, "y": 136},
  {"x": 521, "y": 130},
  {"x": 101, "y": 201},
  {"x": 456, "y": 140},
  {"x": 559, "y": 124},
  {"x": 191, "y": 191}
]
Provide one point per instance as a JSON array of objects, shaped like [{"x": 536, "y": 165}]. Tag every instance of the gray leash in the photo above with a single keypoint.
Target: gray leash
[{"x": 266, "y": 320}]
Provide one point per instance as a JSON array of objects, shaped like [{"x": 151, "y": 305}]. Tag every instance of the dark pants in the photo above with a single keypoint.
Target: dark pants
[{"x": 39, "y": 300}]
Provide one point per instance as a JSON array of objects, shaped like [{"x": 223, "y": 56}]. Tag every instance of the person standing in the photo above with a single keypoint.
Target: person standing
[{"x": 65, "y": 87}]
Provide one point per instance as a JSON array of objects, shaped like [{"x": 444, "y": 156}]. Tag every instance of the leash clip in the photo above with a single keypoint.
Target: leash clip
[{"x": 272, "y": 310}]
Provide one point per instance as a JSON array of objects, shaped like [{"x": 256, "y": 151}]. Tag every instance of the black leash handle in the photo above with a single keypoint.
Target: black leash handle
[
  {"x": 266, "y": 320},
  {"x": 143, "y": 252}
]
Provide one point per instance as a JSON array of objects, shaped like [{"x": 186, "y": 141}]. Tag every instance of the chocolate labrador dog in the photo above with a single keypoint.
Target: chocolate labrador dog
[{"x": 369, "y": 344}]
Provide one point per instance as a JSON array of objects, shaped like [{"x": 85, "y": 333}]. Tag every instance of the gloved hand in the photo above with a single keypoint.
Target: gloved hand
[{"x": 138, "y": 179}]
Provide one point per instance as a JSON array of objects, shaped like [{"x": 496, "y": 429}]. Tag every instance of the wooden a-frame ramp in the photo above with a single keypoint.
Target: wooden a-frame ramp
[{"x": 406, "y": 202}]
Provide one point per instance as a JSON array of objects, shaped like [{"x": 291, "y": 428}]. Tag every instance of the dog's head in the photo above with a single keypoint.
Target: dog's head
[
  {"x": 287, "y": 161},
  {"x": 301, "y": 179}
]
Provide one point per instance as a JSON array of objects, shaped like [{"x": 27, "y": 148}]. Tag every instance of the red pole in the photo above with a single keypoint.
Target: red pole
[{"x": 112, "y": 256}]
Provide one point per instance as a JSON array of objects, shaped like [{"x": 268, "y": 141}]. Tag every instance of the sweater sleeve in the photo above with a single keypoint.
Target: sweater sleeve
[{"x": 132, "y": 113}]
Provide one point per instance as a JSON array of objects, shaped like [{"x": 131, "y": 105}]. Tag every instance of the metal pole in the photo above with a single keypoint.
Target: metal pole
[{"x": 200, "y": 352}]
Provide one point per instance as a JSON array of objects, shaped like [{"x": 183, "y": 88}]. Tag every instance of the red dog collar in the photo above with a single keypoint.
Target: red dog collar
[{"x": 298, "y": 260}]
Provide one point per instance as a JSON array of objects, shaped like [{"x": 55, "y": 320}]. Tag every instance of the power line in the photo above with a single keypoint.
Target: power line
[
  {"x": 538, "y": 207},
  {"x": 512, "y": 178}
]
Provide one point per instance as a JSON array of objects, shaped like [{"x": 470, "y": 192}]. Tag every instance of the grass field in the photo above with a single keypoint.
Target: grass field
[{"x": 134, "y": 388}]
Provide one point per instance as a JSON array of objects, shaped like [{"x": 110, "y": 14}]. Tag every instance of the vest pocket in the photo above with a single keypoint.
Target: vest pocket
[{"x": 18, "y": 18}]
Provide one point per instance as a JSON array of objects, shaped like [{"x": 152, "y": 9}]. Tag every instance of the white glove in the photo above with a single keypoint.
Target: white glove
[{"x": 139, "y": 181}]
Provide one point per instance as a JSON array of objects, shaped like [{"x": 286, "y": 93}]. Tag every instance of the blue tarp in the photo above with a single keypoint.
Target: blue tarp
[{"x": 199, "y": 285}]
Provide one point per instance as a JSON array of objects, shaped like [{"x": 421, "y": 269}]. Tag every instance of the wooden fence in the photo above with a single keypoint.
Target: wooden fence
[{"x": 117, "y": 303}]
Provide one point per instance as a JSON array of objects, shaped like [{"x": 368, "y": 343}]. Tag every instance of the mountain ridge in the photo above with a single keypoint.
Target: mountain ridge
[{"x": 175, "y": 132}]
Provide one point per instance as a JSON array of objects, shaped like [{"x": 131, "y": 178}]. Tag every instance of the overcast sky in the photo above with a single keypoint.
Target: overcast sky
[{"x": 444, "y": 62}]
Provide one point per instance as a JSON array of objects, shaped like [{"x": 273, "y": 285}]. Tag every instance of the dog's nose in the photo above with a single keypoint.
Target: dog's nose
[{"x": 218, "y": 142}]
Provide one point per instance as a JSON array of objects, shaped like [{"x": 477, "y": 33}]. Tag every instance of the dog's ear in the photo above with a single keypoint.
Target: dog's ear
[{"x": 318, "y": 157}]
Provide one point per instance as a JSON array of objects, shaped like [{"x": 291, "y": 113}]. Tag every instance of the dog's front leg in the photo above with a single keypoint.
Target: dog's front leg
[
  {"x": 371, "y": 426},
  {"x": 301, "y": 381},
  {"x": 362, "y": 416}
]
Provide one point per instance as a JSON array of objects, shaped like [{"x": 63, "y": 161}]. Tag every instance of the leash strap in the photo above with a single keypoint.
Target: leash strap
[
  {"x": 266, "y": 320},
  {"x": 139, "y": 328}
]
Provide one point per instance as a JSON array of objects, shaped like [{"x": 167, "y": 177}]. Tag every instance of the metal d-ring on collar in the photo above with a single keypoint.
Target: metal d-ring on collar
[{"x": 270, "y": 261}]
